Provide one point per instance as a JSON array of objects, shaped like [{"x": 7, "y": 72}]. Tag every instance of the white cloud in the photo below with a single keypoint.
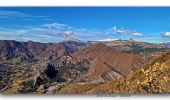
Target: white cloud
[
  {"x": 8, "y": 14},
  {"x": 54, "y": 25},
  {"x": 57, "y": 32},
  {"x": 107, "y": 40},
  {"x": 56, "y": 29},
  {"x": 114, "y": 29},
  {"x": 126, "y": 32},
  {"x": 42, "y": 36},
  {"x": 42, "y": 33},
  {"x": 21, "y": 31},
  {"x": 166, "y": 34},
  {"x": 137, "y": 34},
  {"x": 66, "y": 33},
  {"x": 121, "y": 31},
  {"x": 6, "y": 33}
]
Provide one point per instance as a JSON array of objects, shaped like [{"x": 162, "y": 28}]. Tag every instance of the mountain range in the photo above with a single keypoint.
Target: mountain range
[{"x": 34, "y": 67}]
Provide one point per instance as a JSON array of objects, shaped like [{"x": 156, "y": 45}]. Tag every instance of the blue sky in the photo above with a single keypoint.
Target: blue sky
[{"x": 54, "y": 24}]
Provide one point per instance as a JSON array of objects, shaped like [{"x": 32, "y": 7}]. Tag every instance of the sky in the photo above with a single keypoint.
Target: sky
[{"x": 55, "y": 24}]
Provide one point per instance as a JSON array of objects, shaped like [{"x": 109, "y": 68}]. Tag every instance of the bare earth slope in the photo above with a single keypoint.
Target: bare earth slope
[
  {"x": 153, "y": 78},
  {"x": 106, "y": 63}
]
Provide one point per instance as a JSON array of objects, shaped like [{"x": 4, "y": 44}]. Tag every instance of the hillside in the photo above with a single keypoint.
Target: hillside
[
  {"x": 13, "y": 49},
  {"x": 153, "y": 78},
  {"x": 146, "y": 50},
  {"x": 10, "y": 49},
  {"x": 70, "y": 66},
  {"x": 107, "y": 64}
]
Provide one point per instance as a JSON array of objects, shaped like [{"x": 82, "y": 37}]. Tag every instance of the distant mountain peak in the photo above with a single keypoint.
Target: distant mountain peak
[{"x": 131, "y": 40}]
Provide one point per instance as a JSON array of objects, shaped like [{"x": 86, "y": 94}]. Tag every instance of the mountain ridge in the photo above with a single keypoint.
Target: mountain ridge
[
  {"x": 13, "y": 49},
  {"x": 104, "y": 59}
]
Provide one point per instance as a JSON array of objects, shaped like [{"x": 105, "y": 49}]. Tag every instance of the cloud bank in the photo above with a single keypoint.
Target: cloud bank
[
  {"x": 166, "y": 34},
  {"x": 137, "y": 34},
  {"x": 128, "y": 32},
  {"x": 55, "y": 32}
]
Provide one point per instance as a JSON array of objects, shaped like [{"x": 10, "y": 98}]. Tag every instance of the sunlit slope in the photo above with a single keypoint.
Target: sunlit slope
[{"x": 153, "y": 78}]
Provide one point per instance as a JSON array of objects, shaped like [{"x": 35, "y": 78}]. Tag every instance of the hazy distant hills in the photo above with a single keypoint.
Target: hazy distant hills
[
  {"x": 27, "y": 67},
  {"x": 167, "y": 44}
]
